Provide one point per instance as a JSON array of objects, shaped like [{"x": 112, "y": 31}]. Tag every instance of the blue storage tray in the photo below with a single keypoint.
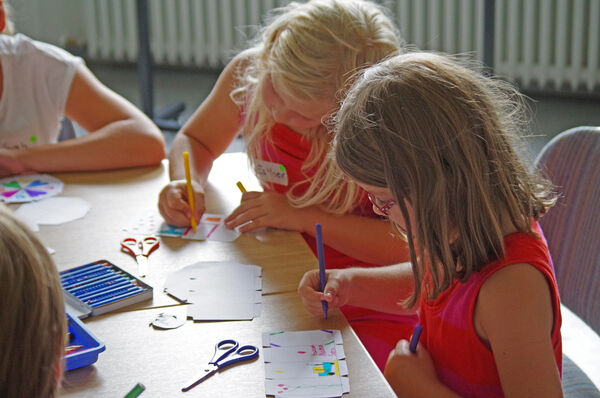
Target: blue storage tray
[{"x": 86, "y": 355}]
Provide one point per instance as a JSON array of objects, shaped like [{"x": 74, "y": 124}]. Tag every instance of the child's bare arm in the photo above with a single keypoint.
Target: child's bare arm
[
  {"x": 514, "y": 315},
  {"x": 120, "y": 134},
  {"x": 367, "y": 239}
]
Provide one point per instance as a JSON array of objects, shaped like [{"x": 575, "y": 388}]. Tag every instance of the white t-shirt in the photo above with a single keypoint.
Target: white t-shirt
[{"x": 36, "y": 81}]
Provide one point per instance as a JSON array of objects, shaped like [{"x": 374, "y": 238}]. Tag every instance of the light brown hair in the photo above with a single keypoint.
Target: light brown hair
[
  {"x": 32, "y": 314},
  {"x": 442, "y": 136},
  {"x": 314, "y": 47}
]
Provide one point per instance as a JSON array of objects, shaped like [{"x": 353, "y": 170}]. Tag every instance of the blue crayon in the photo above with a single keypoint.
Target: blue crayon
[
  {"x": 322, "y": 274},
  {"x": 117, "y": 298},
  {"x": 102, "y": 288},
  {"x": 79, "y": 273},
  {"x": 414, "y": 340},
  {"x": 85, "y": 279},
  {"x": 102, "y": 278},
  {"x": 110, "y": 294}
]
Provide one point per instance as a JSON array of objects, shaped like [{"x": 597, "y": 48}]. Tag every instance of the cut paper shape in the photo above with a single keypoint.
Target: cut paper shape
[
  {"x": 167, "y": 321},
  {"x": 53, "y": 211},
  {"x": 27, "y": 188},
  {"x": 211, "y": 227},
  {"x": 323, "y": 387},
  {"x": 305, "y": 364},
  {"x": 218, "y": 290}
]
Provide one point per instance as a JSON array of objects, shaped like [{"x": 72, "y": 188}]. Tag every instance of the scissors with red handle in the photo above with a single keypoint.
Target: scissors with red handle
[
  {"x": 227, "y": 352},
  {"x": 140, "y": 250}
]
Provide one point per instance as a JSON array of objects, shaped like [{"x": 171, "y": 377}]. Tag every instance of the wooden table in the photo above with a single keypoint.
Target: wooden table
[{"x": 164, "y": 360}]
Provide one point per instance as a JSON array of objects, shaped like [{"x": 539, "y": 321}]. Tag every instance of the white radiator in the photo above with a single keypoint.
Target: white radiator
[{"x": 544, "y": 44}]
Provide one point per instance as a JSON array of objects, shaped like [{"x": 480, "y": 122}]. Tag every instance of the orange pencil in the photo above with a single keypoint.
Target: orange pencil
[{"x": 190, "y": 191}]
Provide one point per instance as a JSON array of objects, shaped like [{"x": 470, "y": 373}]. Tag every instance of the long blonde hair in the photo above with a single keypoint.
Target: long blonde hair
[
  {"x": 314, "y": 48},
  {"x": 32, "y": 314},
  {"x": 443, "y": 137}
]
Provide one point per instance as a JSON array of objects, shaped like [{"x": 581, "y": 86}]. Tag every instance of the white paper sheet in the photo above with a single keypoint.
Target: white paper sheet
[
  {"x": 211, "y": 227},
  {"x": 305, "y": 364},
  {"x": 53, "y": 211},
  {"x": 324, "y": 387},
  {"x": 218, "y": 290}
]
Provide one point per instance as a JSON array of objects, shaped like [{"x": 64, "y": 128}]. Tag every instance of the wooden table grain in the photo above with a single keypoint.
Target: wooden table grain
[{"x": 164, "y": 360}]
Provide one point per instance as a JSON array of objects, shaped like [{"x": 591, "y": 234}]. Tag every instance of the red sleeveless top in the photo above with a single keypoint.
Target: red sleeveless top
[
  {"x": 378, "y": 331},
  {"x": 448, "y": 321}
]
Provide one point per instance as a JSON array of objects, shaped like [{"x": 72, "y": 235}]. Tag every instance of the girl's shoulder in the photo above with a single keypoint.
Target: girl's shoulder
[
  {"x": 24, "y": 48},
  {"x": 242, "y": 61}
]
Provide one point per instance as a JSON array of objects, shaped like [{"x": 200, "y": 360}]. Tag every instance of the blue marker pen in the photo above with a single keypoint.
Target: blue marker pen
[
  {"x": 414, "y": 340},
  {"x": 321, "y": 256}
]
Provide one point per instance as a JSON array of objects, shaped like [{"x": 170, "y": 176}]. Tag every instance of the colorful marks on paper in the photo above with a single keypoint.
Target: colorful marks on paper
[
  {"x": 308, "y": 363},
  {"x": 27, "y": 188}
]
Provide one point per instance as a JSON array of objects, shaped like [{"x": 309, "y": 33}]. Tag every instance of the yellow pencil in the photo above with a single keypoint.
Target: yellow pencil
[
  {"x": 241, "y": 186},
  {"x": 190, "y": 191}
]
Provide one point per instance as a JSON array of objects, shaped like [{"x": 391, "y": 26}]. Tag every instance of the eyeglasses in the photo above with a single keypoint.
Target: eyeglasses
[{"x": 382, "y": 207}]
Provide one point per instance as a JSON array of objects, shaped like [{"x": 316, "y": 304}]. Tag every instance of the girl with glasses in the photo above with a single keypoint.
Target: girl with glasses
[{"x": 434, "y": 143}]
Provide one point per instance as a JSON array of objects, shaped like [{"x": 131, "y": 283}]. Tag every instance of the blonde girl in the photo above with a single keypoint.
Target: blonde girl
[
  {"x": 32, "y": 313},
  {"x": 434, "y": 144},
  {"x": 278, "y": 93}
]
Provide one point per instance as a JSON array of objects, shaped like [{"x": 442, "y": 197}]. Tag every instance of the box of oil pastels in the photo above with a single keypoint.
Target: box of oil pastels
[{"x": 99, "y": 287}]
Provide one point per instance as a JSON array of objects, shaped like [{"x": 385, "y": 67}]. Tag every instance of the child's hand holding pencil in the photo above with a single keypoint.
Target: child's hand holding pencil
[
  {"x": 335, "y": 294},
  {"x": 175, "y": 205}
]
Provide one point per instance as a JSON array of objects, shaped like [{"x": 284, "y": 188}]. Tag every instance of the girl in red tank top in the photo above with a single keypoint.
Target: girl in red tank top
[
  {"x": 431, "y": 140},
  {"x": 278, "y": 94}
]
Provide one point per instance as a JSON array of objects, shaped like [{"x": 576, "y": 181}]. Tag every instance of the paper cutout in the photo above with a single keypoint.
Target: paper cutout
[
  {"x": 218, "y": 290},
  {"x": 210, "y": 227},
  {"x": 308, "y": 364},
  {"x": 27, "y": 188},
  {"x": 324, "y": 387},
  {"x": 53, "y": 211},
  {"x": 167, "y": 321}
]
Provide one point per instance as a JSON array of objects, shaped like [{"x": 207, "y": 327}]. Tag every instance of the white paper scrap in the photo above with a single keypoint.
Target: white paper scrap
[
  {"x": 218, "y": 290},
  {"x": 54, "y": 211}
]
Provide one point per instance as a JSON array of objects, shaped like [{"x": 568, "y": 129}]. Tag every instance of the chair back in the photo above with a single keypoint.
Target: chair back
[{"x": 572, "y": 162}]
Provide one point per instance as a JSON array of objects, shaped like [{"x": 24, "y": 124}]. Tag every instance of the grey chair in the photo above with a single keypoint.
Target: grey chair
[{"x": 572, "y": 228}]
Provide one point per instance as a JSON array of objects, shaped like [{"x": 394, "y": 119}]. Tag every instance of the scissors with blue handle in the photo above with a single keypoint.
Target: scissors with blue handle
[
  {"x": 140, "y": 250},
  {"x": 227, "y": 352}
]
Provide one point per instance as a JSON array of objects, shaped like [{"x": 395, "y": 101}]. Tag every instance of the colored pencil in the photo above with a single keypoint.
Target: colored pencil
[
  {"x": 322, "y": 274},
  {"x": 414, "y": 340},
  {"x": 241, "y": 187},
  {"x": 190, "y": 191}
]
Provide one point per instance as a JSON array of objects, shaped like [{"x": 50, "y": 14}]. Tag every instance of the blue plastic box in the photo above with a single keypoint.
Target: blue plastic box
[{"x": 86, "y": 355}]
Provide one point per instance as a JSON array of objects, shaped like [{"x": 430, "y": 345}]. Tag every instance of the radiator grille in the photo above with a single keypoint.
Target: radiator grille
[{"x": 545, "y": 44}]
